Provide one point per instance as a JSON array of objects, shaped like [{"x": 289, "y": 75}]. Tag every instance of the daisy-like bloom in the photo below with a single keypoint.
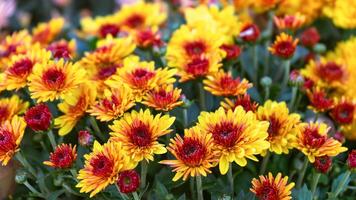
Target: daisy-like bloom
[
  {"x": 38, "y": 118},
  {"x": 343, "y": 111},
  {"x": 128, "y": 181},
  {"x": 164, "y": 98},
  {"x": 272, "y": 188},
  {"x": 319, "y": 102},
  {"x": 250, "y": 32},
  {"x": 102, "y": 167},
  {"x": 62, "y": 49},
  {"x": 101, "y": 26},
  {"x": 242, "y": 100},
  {"x": 20, "y": 67},
  {"x": 290, "y": 22},
  {"x": 51, "y": 80},
  {"x": 63, "y": 157},
  {"x": 195, "y": 52},
  {"x": 283, "y": 126},
  {"x": 73, "y": 107},
  {"x": 223, "y": 84},
  {"x": 138, "y": 132},
  {"x": 44, "y": 33},
  {"x": 237, "y": 135},
  {"x": 313, "y": 141},
  {"x": 284, "y": 46},
  {"x": 194, "y": 154},
  {"x": 310, "y": 37},
  {"x": 141, "y": 76},
  {"x": 114, "y": 103},
  {"x": 10, "y": 107},
  {"x": 11, "y": 133},
  {"x": 322, "y": 164}
]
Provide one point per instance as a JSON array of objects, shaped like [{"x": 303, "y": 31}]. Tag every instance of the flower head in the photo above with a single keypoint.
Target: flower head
[
  {"x": 272, "y": 188},
  {"x": 101, "y": 26},
  {"x": 310, "y": 37},
  {"x": 313, "y": 141},
  {"x": 223, "y": 84},
  {"x": 232, "y": 51},
  {"x": 63, "y": 157},
  {"x": 291, "y": 22},
  {"x": 11, "y": 133},
  {"x": 351, "y": 159},
  {"x": 343, "y": 111},
  {"x": 319, "y": 102},
  {"x": 102, "y": 167},
  {"x": 241, "y": 100},
  {"x": 237, "y": 135},
  {"x": 322, "y": 164},
  {"x": 44, "y": 33},
  {"x": 85, "y": 138},
  {"x": 194, "y": 154},
  {"x": 284, "y": 46},
  {"x": 250, "y": 32},
  {"x": 62, "y": 49},
  {"x": 38, "y": 118},
  {"x": 164, "y": 98},
  {"x": 128, "y": 181},
  {"x": 10, "y": 107},
  {"x": 138, "y": 132}
]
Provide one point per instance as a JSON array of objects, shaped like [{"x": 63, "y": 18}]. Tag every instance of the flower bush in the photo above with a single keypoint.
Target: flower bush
[{"x": 183, "y": 99}]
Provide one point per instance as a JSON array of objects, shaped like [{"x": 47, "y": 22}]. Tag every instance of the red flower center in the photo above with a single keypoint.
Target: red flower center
[
  {"x": 191, "y": 152},
  {"x": 198, "y": 67},
  {"x": 7, "y": 141},
  {"x": 274, "y": 127},
  {"x": 9, "y": 51},
  {"x": 109, "y": 104},
  {"x": 343, "y": 113},
  {"x": 330, "y": 71},
  {"x": 141, "y": 76},
  {"x": 312, "y": 138},
  {"x": 285, "y": 49},
  {"x": 62, "y": 157},
  {"x": 322, "y": 164},
  {"x": 289, "y": 20},
  {"x": 107, "y": 29},
  {"x": 106, "y": 72},
  {"x": 22, "y": 67},
  {"x": 4, "y": 113},
  {"x": 227, "y": 83},
  {"x": 246, "y": 103},
  {"x": 163, "y": 97},
  {"x": 54, "y": 78},
  {"x": 135, "y": 21},
  {"x": 195, "y": 48},
  {"x": 128, "y": 181},
  {"x": 38, "y": 118},
  {"x": 227, "y": 134},
  {"x": 268, "y": 191},
  {"x": 102, "y": 166},
  {"x": 140, "y": 134}
]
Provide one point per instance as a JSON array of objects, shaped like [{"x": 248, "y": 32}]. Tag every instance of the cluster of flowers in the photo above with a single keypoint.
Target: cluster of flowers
[{"x": 116, "y": 85}]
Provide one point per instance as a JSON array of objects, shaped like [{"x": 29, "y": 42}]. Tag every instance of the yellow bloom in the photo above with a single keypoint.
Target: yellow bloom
[
  {"x": 341, "y": 12},
  {"x": 283, "y": 126},
  {"x": 163, "y": 98},
  {"x": 237, "y": 135},
  {"x": 242, "y": 100},
  {"x": 102, "y": 167},
  {"x": 291, "y": 22},
  {"x": 44, "y": 33},
  {"x": 223, "y": 84},
  {"x": 51, "y": 80},
  {"x": 272, "y": 187},
  {"x": 114, "y": 103},
  {"x": 73, "y": 107},
  {"x": 194, "y": 154},
  {"x": 264, "y": 5},
  {"x": 141, "y": 76},
  {"x": 101, "y": 26},
  {"x": 138, "y": 132},
  {"x": 9, "y": 107},
  {"x": 11, "y": 133},
  {"x": 313, "y": 141}
]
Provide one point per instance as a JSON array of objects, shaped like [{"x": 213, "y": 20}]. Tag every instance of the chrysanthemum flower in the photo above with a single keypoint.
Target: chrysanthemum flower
[
  {"x": 164, "y": 98},
  {"x": 237, "y": 135},
  {"x": 313, "y": 141},
  {"x": 138, "y": 132},
  {"x": 242, "y": 100},
  {"x": 272, "y": 188},
  {"x": 38, "y": 117},
  {"x": 114, "y": 103},
  {"x": 284, "y": 46},
  {"x": 102, "y": 167},
  {"x": 46, "y": 32},
  {"x": 20, "y": 67},
  {"x": 51, "y": 80},
  {"x": 63, "y": 49},
  {"x": 10, "y": 107},
  {"x": 11, "y": 133},
  {"x": 194, "y": 154},
  {"x": 63, "y": 156},
  {"x": 250, "y": 32},
  {"x": 310, "y": 37},
  {"x": 101, "y": 26},
  {"x": 73, "y": 107},
  {"x": 128, "y": 181},
  {"x": 322, "y": 164},
  {"x": 141, "y": 76},
  {"x": 343, "y": 111},
  {"x": 283, "y": 126},
  {"x": 290, "y": 22},
  {"x": 319, "y": 102},
  {"x": 223, "y": 84}
]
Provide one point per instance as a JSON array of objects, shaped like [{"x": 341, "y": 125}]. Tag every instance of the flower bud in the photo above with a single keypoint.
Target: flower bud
[
  {"x": 319, "y": 48},
  {"x": 128, "y": 181},
  {"x": 85, "y": 138},
  {"x": 266, "y": 81},
  {"x": 232, "y": 51},
  {"x": 296, "y": 78},
  {"x": 250, "y": 33},
  {"x": 351, "y": 159},
  {"x": 322, "y": 164},
  {"x": 310, "y": 37},
  {"x": 38, "y": 118}
]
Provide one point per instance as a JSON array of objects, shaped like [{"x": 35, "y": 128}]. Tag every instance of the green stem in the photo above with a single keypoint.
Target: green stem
[
  {"x": 191, "y": 185},
  {"x": 315, "y": 182},
  {"x": 74, "y": 174},
  {"x": 32, "y": 189},
  {"x": 202, "y": 97},
  {"x": 269, "y": 31},
  {"x": 255, "y": 64},
  {"x": 267, "y": 92},
  {"x": 302, "y": 173},
  {"x": 96, "y": 128},
  {"x": 70, "y": 190},
  {"x": 342, "y": 183},
  {"x": 52, "y": 139},
  {"x": 123, "y": 196},
  {"x": 199, "y": 188},
  {"x": 135, "y": 196},
  {"x": 294, "y": 98},
  {"x": 144, "y": 166},
  {"x": 286, "y": 68},
  {"x": 25, "y": 163},
  {"x": 231, "y": 180},
  {"x": 265, "y": 162},
  {"x": 185, "y": 117}
]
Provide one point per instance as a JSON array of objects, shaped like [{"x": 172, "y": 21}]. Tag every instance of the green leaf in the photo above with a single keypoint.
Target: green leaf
[
  {"x": 55, "y": 195},
  {"x": 160, "y": 189},
  {"x": 182, "y": 197},
  {"x": 340, "y": 183},
  {"x": 303, "y": 194}
]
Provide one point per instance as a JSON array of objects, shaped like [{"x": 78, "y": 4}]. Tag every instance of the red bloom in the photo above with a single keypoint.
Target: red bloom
[
  {"x": 60, "y": 49},
  {"x": 250, "y": 33},
  {"x": 319, "y": 100},
  {"x": 312, "y": 138},
  {"x": 38, "y": 118},
  {"x": 22, "y": 67},
  {"x": 351, "y": 159},
  {"x": 102, "y": 166},
  {"x": 198, "y": 67},
  {"x": 322, "y": 164},
  {"x": 227, "y": 133},
  {"x": 191, "y": 152},
  {"x": 246, "y": 102},
  {"x": 85, "y": 138},
  {"x": 109, "y": 29},
  {"x": 63, "y": 157},
  {"x": 195, "y": 48},
  {"x": 343, "y": 112},
  {"x": 148, "y": 38},
  {"x": 308, "y": 84},
  {"x": 310, "y": 37},
  {"x": 284, "y": 46},
  {"x": 330, "y": 71},
  {"x": 232, "y": 51},
  {"x": 128, "y": 181}
]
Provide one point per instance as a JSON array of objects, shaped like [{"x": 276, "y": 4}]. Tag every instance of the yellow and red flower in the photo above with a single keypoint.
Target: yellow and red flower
[
  {"x": 237, "y": 135},
  {"x": 138, "y": 132},
  {"x": 164, "y": 98},
  {"x": 44, "y": 33},
  {"x": 101, "y": 26},
  {"x": 11, "y": 133},
  {"x": 241, "y": 100},
  {"x": 10, "y": 107},
  {"x": 63, "y": 156},
  {"x": 63, "y": 49},
  {"x": 284, "y": 46},
  {"x": 343, "y": 111},
  {"x": 290, "y": 22},
  {"x": 223, "y": 84},
  {"x": 269, "y": 187},
  {"x": 194, "y": 154},
  {"x": 102, "y": 167},
  {"x": 313, "y": 141},
  {"x": 319, "y": 101},
  {"x": 52, "y": 80}
]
